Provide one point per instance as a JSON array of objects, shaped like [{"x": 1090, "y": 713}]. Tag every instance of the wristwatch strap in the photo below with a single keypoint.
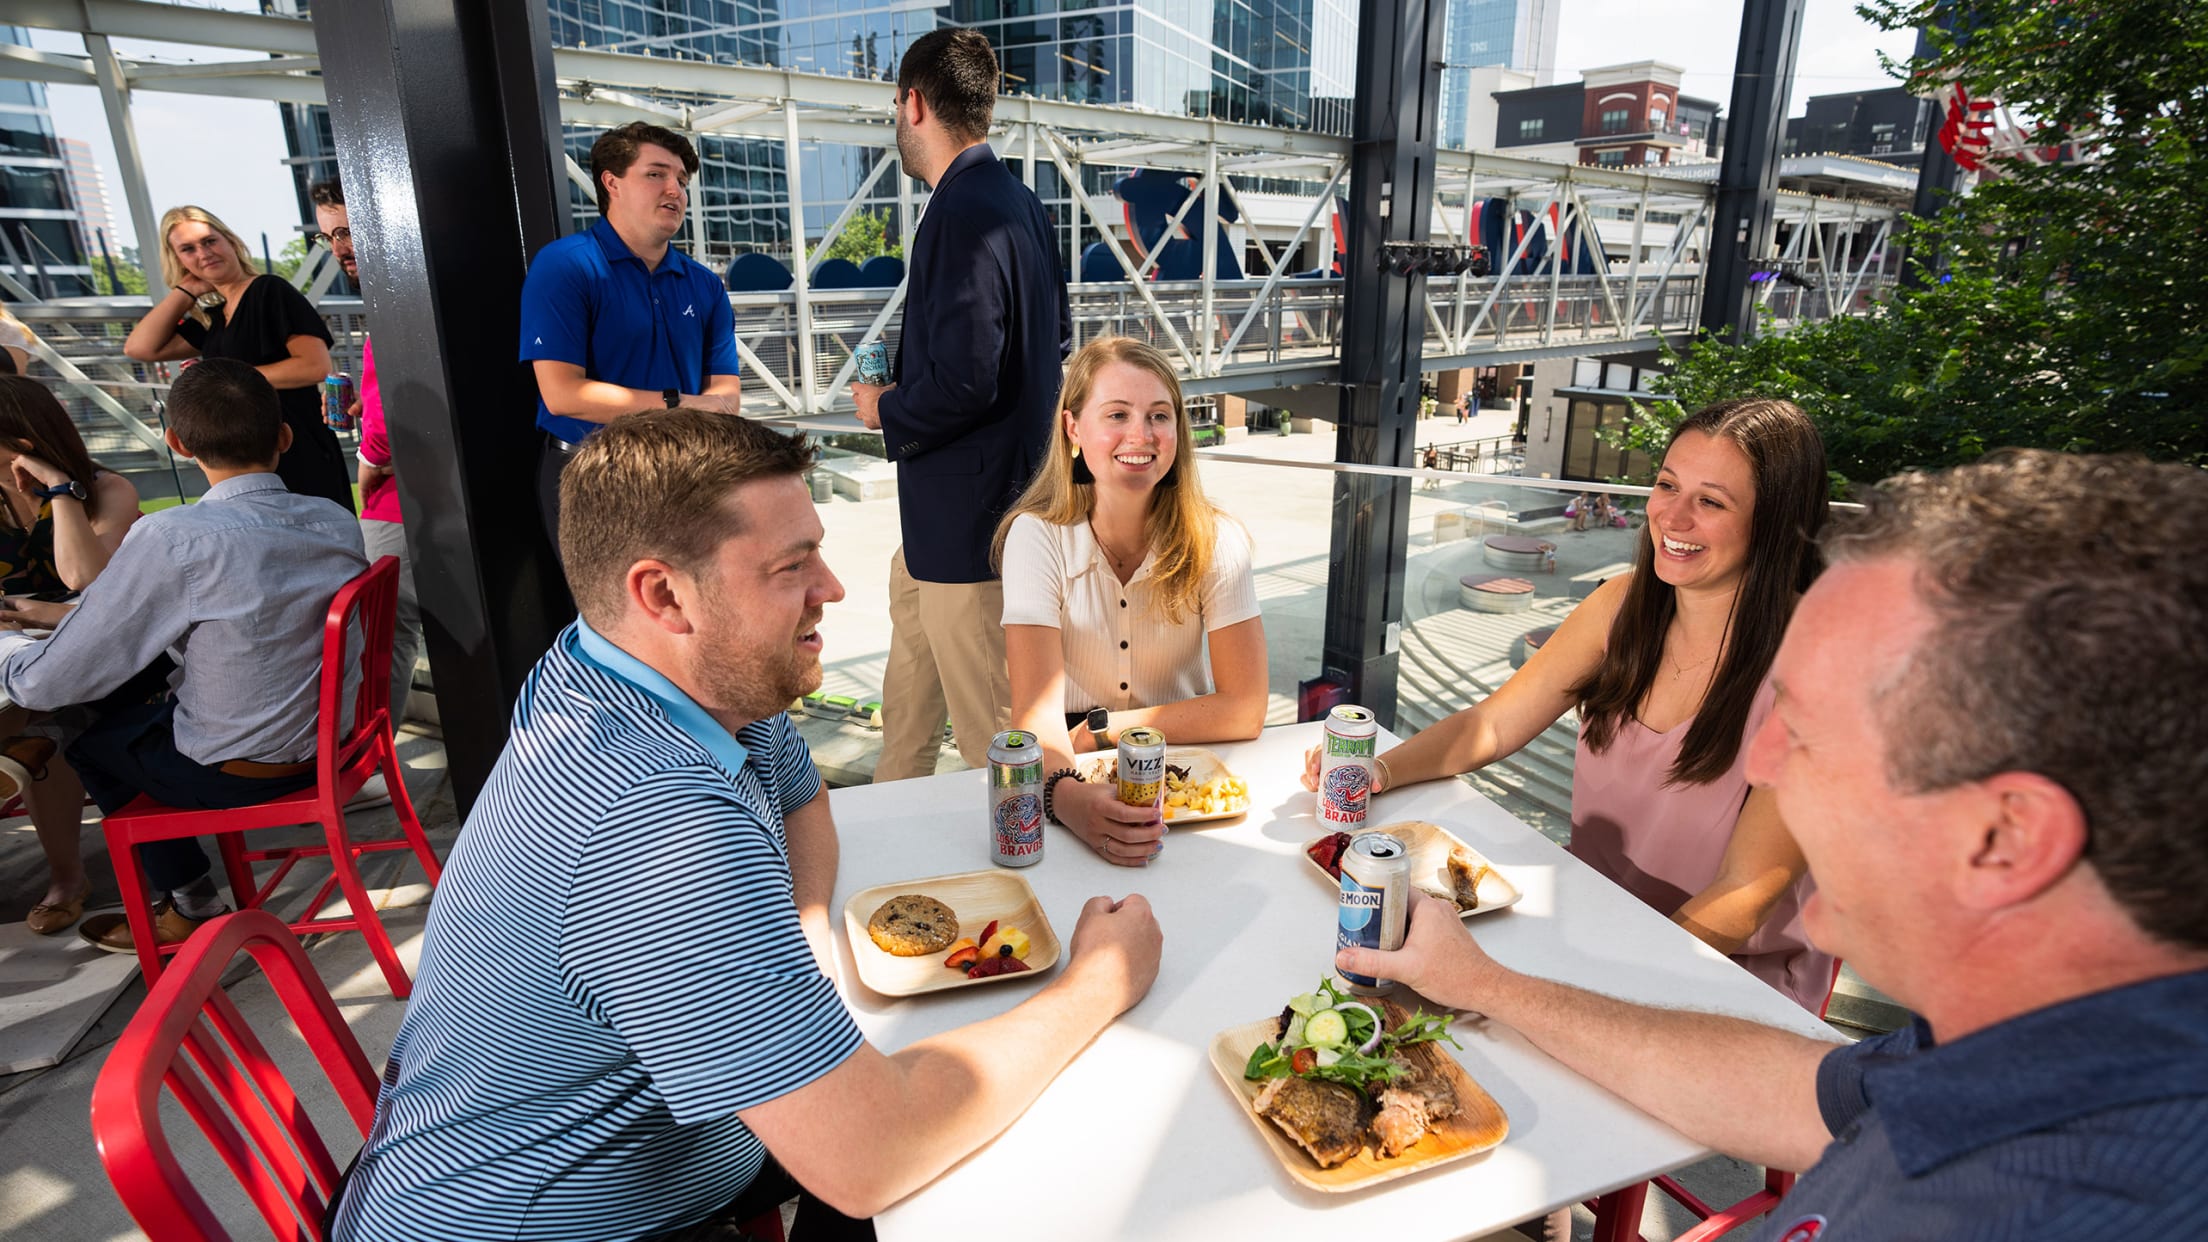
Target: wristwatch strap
[{"x": 672, "y": 396}]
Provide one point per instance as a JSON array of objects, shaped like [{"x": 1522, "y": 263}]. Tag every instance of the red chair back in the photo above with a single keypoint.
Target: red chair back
[
  {"x": 373, "y": 599},
  {"x": 189, "y": 1037}
]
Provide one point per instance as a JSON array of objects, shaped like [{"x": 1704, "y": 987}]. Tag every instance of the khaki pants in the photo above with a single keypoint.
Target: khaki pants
[{"x": 946, "y": 655}]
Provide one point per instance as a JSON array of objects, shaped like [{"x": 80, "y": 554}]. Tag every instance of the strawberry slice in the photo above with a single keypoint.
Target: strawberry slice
[{"x": 986, "y": 932}]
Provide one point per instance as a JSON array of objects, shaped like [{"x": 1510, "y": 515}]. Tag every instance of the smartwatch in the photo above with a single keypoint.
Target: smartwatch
[
  {"x": 70, "y": 488},
  {"x": 673, "y": 397},
  {"x": 1100, "y": 725}
]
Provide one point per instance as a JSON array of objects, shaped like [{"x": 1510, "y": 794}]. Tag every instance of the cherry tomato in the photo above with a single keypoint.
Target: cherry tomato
[{"x": 1303, "y": 1060}]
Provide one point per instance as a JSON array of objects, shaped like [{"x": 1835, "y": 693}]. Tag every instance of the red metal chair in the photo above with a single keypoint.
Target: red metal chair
[
  {"x": 1618, "y": 1214},
  {"x": 343, "y": 765},
  {"x": 189, "y": 1037}
]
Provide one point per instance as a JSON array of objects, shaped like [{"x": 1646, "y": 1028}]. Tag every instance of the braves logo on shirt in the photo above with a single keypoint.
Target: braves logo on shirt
[
  {"x": 1806, "y": 1229},
  {"x": 690, "y": 311}
]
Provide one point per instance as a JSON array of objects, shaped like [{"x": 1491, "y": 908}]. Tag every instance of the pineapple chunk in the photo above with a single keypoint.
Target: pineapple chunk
[{"x": 1006, "y": 935}]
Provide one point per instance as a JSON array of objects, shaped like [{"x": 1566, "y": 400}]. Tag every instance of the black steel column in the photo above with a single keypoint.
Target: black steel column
[
  {"x": 448, "y": 135},
  {"x": 1399, "y": 57},
  {"x": 1748, "y": 176}
]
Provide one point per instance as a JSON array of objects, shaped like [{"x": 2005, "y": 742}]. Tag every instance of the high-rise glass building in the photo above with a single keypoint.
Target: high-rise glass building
[
  {"x": 1289, "y": 63},
  {"x": 1519, "y": 34},
  {"x": 39, "y": 243}
]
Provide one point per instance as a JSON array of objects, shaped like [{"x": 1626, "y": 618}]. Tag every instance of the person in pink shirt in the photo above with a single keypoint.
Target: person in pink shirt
[
  {"x": 1669, "y": 670},
  {"x": 380, "y": 529}
]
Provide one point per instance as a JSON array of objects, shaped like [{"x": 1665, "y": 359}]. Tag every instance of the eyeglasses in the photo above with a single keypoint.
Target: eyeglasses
[{"x": 331, "y": 238}]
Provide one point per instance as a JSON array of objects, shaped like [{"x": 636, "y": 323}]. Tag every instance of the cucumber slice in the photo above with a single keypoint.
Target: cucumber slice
[
  {"x": 1306, "y": 1004},
  {"x": 1327, "y": 1026}
]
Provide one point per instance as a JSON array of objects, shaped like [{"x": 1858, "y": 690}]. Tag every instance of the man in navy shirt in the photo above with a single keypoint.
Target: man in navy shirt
[
  {"x": 969, "y": 417},
  {"x": 615, "y": 320},
  {"x": 1985, "y": 740}
]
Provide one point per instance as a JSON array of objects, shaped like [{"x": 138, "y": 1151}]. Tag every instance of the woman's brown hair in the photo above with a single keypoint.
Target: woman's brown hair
[
  {"x": 33, "y": 422},
  {"x": 1788, "y": 462}
]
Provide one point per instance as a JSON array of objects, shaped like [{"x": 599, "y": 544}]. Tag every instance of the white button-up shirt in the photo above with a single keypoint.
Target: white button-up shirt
[{"x": 1121, "y": 652}]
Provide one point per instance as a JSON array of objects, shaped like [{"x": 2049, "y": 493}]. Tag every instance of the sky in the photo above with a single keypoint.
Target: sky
[{"x": 226, "y": 154}]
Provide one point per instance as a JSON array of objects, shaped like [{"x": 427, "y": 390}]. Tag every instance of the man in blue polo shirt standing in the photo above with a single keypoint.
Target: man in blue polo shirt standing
[
  {"x": 565, "y": 1071},
  {"x": 1985, "y": 740},
  {"x": 614, "y": 319}
]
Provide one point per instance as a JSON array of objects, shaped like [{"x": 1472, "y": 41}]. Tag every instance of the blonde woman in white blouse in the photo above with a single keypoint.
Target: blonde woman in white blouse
[{"x": 1117, "y": 575}]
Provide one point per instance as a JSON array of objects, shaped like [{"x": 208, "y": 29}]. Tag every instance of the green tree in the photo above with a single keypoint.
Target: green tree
[
  {"x": 864, "y": 235},
  {"x": 288, "y": 259},
  {"x": 127, "y": 271},
  {"x": 2062, "y": 305}
]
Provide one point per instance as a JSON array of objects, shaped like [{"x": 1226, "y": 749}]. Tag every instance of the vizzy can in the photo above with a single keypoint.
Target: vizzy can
[
  {"x": 1375, "y": 903},
  {"x": 1142, "y": 766},
  {"x": 1345, "y": 766},
  {"x": 1016, "y": 799},
  {"x": 337, "y": 401}
]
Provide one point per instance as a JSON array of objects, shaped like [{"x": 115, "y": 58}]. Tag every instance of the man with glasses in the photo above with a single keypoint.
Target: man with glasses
[
  {"x": 380, "y": 528},
  {"x": 614, "y": 319}
]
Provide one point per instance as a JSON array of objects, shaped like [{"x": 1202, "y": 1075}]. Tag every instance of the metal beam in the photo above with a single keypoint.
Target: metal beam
[
  {"x": 27, "y": 64},
  {"x": 1399, "y": 59},
  {"x": 129, "y": 165},
  {"x": 168, "y": 23},
  {"x": 448, "y": 136},
  {"x": 1748, "y": 176}
]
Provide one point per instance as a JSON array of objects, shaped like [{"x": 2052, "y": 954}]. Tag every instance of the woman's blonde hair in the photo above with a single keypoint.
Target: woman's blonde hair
[
  {"x": 1182, "y": 526},
  {"x": 172, "y": 268}
]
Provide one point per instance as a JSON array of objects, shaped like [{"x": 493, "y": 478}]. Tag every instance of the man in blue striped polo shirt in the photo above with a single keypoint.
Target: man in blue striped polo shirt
[
  {"x": 1986, "y": 741},
  {"x": 622, "y": 1026}
]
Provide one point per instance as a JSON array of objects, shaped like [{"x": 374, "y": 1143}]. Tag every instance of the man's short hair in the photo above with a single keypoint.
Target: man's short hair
[
  {"x": 2070, "y": 639},
  {"x": 955, "y": 70},
  {"x": 327, "y": 193},
  {"x": 618, "y": 148},
  {"x": 226, "y": 414},
  {"x": 656, "y": 486}
]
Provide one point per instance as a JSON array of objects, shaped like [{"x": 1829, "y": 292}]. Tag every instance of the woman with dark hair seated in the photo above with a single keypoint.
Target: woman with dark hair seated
[
  {"x": 61, "y": 517},
  {"x": 1668, "y": 668}
]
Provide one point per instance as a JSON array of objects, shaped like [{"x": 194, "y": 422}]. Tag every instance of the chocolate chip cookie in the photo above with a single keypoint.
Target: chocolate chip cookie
[{"x": 911, "y": 925}]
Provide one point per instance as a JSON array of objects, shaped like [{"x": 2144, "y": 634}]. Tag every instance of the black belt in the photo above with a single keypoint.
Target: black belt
[{"x": 557, "y": 443}]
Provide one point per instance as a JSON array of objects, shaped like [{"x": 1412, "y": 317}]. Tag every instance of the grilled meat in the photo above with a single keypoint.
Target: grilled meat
[
  {"x": 1464, "y": 879},
  {"x": 1326, "y": 1119},
  {"x": 1409, "y": 1107}
]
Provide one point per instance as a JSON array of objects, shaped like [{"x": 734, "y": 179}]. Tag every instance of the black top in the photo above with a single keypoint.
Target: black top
[
  {"x": 979, "y": 363},
  {"x": 258, "y": 331}
]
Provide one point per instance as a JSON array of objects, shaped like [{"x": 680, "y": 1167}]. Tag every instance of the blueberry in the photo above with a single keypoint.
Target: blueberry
[{"x": 1004, "y": 950}]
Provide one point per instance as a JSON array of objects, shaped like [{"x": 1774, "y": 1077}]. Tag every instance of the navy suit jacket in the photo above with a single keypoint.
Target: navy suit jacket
[{"x": 979, "y": 364}]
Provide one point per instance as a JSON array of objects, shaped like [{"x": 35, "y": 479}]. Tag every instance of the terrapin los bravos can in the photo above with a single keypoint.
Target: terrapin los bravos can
[
  {"x": 1375, "y": 904},
  {"x": 1016, "y": 799},
  {"x": 337, "y": 401},
  {"x": 873, "y": 363},
  {"x": 1142, "y": 766},
  {"x": 1345, "y": 766}
]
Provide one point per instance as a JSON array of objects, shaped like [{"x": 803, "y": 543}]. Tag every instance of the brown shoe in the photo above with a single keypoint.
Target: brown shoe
[
  {"x": 46, "y": 918},
  {"x": 111, "y": 932},
  {"x": 23, "y": 759}
]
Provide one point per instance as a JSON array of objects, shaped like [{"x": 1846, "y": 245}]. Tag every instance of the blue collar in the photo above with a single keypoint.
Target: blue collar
[
  {"x": 245, "y": 484},
  {"x": 616, "y": 250},
  {"x": 591, "y": 648},
  {"x": 979, "y": 153},
  {"x": 2128, "y": 1046}
]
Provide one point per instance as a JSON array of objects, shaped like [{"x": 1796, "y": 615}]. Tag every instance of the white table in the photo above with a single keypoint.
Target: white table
[{"x": 1140, "y": 1138}]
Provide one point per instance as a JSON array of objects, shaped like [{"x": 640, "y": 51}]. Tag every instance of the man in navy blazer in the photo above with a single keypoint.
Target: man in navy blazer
[{"x": 969, "y": 414}]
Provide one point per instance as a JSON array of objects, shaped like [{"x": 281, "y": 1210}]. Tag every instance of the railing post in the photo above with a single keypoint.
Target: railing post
[
  {"x": 801, "y": 279},
  {"x": 1211, "y": 254}
]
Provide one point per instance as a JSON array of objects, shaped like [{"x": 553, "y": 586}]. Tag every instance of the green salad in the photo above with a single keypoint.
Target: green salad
[{"x": 1331, "y": 1034}]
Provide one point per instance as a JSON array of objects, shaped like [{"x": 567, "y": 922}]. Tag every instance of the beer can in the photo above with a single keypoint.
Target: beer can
[
  {"x": 337, "y": 401},
  {"x": 1016, "y": 799},
  {"x": 1375, "y": 903},
  {"x": 1142, "y": 766},
  {"x": 873, "y": 363},
  {"x": 1345, "y": 766}
]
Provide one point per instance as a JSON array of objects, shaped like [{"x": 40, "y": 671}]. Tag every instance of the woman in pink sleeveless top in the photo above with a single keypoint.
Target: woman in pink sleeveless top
[{"x": 1667, "y": 668}]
